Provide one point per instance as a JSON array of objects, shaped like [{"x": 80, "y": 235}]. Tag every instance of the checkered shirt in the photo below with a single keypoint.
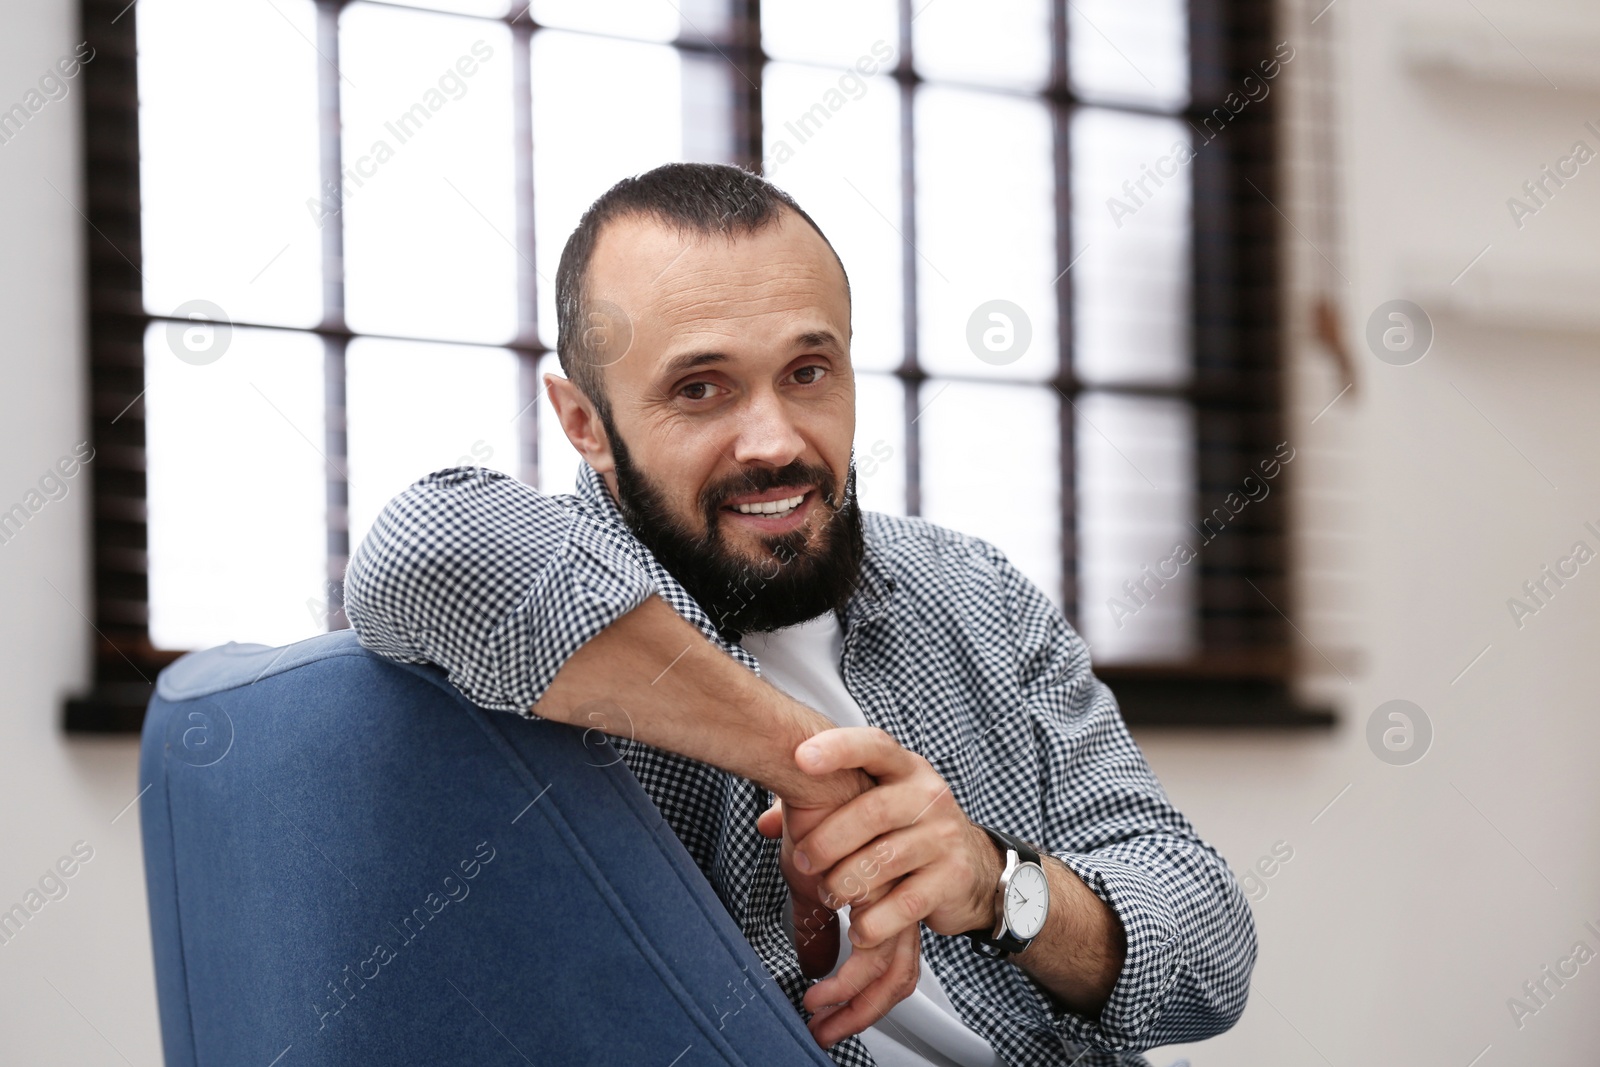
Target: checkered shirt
[{"x": 946, "y": 646}]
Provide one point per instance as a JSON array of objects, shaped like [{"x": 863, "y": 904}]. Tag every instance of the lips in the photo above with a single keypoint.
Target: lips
[
  {"x": 781, "y": 492},
  {"x": 776, "y": 503},
  {"x": 773, "y": 509},
  {"x": 778, "y": 507}
]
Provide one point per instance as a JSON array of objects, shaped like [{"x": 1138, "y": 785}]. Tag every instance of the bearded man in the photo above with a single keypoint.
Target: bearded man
[{"x": 843, "y": 715}]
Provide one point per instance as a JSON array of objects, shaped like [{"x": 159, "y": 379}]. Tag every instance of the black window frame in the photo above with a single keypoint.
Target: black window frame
[{"x": 1243, "y": 676}]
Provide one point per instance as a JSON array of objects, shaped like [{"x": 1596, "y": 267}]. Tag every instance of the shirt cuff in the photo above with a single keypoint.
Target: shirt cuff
[{"x": 1150, "y": 968}]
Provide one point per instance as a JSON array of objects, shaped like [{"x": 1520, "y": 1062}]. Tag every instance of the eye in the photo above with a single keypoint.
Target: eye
[
  {"x": 697, "y": 391},
  {"x": 810, "y": 375}
]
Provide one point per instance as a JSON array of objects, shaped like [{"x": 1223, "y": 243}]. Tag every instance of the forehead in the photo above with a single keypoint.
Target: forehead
[{"x": 675, "y": 280}]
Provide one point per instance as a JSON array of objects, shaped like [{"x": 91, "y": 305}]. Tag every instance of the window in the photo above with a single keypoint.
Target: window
[{"x": 323, "y": 237}]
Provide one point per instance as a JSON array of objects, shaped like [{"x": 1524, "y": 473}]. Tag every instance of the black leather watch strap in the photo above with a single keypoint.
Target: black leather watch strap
[{"x": 983, "y": 940}]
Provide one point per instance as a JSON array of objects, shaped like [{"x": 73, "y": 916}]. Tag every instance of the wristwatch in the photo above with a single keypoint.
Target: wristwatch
[{"x": 1022, "y": 899}]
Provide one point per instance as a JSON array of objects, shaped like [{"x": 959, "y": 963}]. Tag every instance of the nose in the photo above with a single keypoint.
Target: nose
[{"x": 767, "y": 433}]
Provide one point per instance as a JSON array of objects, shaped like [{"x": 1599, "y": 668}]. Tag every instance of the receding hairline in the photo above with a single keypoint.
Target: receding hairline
[{"x": 695, "y": 234}]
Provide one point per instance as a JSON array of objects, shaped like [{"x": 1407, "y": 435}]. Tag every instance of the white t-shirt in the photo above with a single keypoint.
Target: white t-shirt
[{"x": 923, "y": 1029}]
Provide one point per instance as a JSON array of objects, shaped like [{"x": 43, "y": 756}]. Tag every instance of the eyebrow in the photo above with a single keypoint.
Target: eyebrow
[
  {"x": 689, "y": 360},
  {"x": 818, "y": 339},
  {"x": 686, "y": 362}
]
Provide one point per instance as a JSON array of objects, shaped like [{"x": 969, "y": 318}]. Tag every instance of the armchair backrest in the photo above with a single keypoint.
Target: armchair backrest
[{"x": 349, "y": 862}]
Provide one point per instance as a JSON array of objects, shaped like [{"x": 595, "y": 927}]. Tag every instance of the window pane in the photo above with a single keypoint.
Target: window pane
[
  {"x": 990, "y": 456},
  {"x": 1135, "y": 497},
  {"x": 985, "y": 235},
  {"x": 1130, "y": 218},
  {"x": 602, "y": 110},
  {"x": 709, "y": 90},
  {"x": 428, "y": 202},
  {"x": 228, "y": 158},
  {"x": 705, "y": 20},
  {"x": 831, "y": 31},
  {"x": 832, "y": 142},
  {"x": 492, "y": 8},
  {"x": 649, "y": 20},
  {"x": 413, "y": 408},
  {"x": 237, "y": 485},
  {"x": 558, "y": 460},
  {"x": 984, "y": 42},
  {"x": 1127, "y": 52},
  {"x": 880, "y": 444}
]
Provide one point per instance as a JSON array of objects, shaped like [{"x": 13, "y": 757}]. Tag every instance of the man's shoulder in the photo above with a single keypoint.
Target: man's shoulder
[
  {"x": 450, "y": 484},
  {"x": 906, "y": 544}
]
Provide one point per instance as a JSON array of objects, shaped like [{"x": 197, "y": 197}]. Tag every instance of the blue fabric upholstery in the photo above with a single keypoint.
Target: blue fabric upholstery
[{"x": 347, "y": 862}]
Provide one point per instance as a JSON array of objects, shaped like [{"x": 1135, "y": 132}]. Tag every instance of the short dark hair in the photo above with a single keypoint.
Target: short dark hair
[{"x": 698, "y": 198}]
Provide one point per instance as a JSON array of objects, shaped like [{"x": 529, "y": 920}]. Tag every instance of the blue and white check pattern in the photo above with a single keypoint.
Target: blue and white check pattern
[{"x": 946, "y": 646}]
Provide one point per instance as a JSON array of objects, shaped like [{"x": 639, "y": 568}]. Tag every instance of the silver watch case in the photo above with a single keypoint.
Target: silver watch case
[{"x": 1002, "y": 929}]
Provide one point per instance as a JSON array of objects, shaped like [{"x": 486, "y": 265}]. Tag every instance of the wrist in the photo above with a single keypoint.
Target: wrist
[
  {"x": 987, "y": 865},
  {"x": 797, "y": 723}
]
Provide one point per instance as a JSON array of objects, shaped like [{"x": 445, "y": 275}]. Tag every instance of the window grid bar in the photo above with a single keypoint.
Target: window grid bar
[
  {"x": 910, "y": 370},
  {"x": 528, "y": 350},
  {"x": 749, "y": 64},
  {"x": 1066, "y": 428},
  {"x": 1199, "y": 392},
  {"x": 335, "y": 339}
]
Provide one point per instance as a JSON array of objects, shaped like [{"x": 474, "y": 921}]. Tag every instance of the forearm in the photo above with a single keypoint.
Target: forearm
[
  {"x": 1187, "y": 937},
  {"x": 1079, "y": 954},
  {"x": 653, "y": 677}
]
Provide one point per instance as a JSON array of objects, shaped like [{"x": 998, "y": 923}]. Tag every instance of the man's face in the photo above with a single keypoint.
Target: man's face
[{"x": 732, "y": 414}]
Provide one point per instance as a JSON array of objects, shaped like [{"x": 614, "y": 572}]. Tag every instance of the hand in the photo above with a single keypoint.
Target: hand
[
  {"x": 871, "y": 981},
  {"x": 934, "y": 865},
  {"x": 816, "y": 924}
]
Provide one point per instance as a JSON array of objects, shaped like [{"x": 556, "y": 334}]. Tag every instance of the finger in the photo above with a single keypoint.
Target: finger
[
  {"x": 908, "y": 903},
  {"x": 874, "y": 892},
  {"x": 770, "y": 822},
  {"x": 874, "y": 1001},
  {"x": 879, "y": 811},
  {"x": 820, "y": 1014},
  {"x": 866, "y": 874},
  {"x": 867, "y": 747},
  {"x": 856, "y": 973}
]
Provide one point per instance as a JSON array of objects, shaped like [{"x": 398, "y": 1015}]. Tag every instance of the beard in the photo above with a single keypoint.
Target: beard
[{"x": 801, "y": 574}]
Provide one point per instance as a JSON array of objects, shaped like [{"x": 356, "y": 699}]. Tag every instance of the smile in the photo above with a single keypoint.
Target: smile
[
  {"x": 778, "y": 508},
  {"x": 776, "y": 511}
]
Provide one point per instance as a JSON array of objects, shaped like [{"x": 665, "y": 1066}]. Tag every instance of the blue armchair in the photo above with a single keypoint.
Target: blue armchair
[{"x": 349, "y": 862}]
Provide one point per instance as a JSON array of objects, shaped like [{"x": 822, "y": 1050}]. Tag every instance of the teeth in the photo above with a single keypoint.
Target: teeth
[{"x": 770, "y": 507}]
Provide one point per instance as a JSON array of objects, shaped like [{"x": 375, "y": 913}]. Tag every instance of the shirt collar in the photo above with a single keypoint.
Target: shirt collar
[{"x": 873, "y": 589}]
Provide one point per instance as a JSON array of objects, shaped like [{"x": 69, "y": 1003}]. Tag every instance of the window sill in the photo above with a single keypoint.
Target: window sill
[
  {"x": 1184, "y": 699},
  {"x": 114, "y": 708}
]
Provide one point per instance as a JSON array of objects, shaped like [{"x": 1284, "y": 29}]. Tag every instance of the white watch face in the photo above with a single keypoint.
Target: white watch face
[{"x": 1027, "y": 901}]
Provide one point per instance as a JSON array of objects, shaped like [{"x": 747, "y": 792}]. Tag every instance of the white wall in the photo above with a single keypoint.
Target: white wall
[
  {"x": 1415, "y": 905},
  {"x": 76, "y": 985},
  {"x": 1428, "y": 894}
]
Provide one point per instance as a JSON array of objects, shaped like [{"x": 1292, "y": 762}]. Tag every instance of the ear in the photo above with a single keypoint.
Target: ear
[{"x": 580, "y": 422}]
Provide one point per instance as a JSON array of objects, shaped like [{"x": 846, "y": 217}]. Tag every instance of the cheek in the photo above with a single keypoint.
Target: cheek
[
  {"x": 678, "y": 459},
  {"x": 830, "y": 429}
]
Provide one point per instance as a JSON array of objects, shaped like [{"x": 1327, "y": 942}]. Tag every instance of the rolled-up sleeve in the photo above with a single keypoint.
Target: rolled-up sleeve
[
  {"x": 491, "y": 580},
  {"x": 1191, "y": 941}
]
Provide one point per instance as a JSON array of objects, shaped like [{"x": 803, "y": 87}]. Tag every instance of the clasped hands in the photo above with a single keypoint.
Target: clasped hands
[{"x": 900, "y": 853}]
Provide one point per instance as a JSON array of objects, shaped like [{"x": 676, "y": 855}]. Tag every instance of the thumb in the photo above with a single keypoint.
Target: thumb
[{"x": 770, "y": 822}]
